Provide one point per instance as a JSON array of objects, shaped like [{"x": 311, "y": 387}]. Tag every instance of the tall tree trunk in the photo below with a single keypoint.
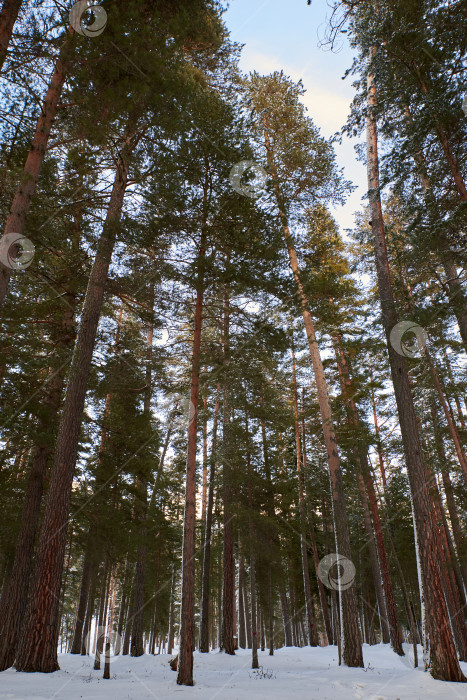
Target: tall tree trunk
[
  {"x": 141, "y": 506},
  {"x": 311, "y": 634},
  {"x": 152, "y": 638},
  {"x": 388, "y": 605},
  {"x": 252, "y": 538},
  {"x": 19, "y": 209},
  {"x": 204, "y": 485},
  {"x": 65, "y": 579},
  {"x": 459, "y": 537},
  {"x": 187, "y": 622},
  {"x": 136, "y": 644},
  {"x": 85, "y": 643},
  {"x": 288, "y": 638},
  {"x": 38, "y": 645},
  {"x": 311, "y": 532},
  {"x": 170, "y": 636},
  {"x": 367, "y": 620},
  {"x": 15, "y": 592},
  {"x": 451, "y": 379},
  {"x": 453, "y": 592},
  {"x": 241, "y": 607},
  {"x": 447, "y": 414},
  {"x": 443, "y": 660},
  {"x": 228, "y": 588},
  {"x": 274, "y": 543},
  {"x": 405, "y": 595},
  {"x": 123, "y": 610},
  {"x": 375, "y": 570},
  {"x": 88, "y": 564},
  {"x": 246, "y": 606},
  {"x": 129, "y": 618},
  {"x": 206, "y": 574},
  {"x": 8, "y": 16},
  {"x": 394, "y": 627},
  {"x": 379, "y": 447},
  {"x": 351, "y": 642},
  {"x": 457, "y": 297},
  {"x": 100, "y": 632},
  {"x": 108, "y": 637},
  {"x": 270, "y": 613},
  {"x": 293, "y": 599},
  {"x": 261, "y": 626},
  {"x": 444, "y": 141}
]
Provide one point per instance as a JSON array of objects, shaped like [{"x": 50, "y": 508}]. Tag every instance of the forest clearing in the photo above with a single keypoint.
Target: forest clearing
[{"x": 233, "y": 372}]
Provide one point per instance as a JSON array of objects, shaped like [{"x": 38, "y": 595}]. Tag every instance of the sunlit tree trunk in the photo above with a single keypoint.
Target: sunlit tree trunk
[{"x": 187, "y": 622}]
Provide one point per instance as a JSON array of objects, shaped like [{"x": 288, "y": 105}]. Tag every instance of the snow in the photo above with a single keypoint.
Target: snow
[{"x": 303, "y": 674}]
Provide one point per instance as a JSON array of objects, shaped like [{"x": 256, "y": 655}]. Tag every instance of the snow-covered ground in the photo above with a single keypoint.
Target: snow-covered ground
[{"x": 301, "y": 674}]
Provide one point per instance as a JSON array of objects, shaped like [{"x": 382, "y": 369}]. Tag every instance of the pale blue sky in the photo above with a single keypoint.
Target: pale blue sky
[{"x": 284, "y": 34}]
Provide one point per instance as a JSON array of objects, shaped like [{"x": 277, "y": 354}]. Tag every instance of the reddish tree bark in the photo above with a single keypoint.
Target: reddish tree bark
[
  {"x": 8, "y": 16},
  {"x": 457, "y": 297},
  {"x": 19, "y": 209},
  {"x": 444, "y": 141},
  {"x": 204, "y": 485},
  {"x": 443, "y": 659},
  {"x": 447, "y": 414},
  {"x": 38, "y": 645},
  {"x": 15, "y": 591}
]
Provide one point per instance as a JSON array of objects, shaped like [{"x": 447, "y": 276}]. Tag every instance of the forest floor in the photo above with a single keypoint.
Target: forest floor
[{"x": 303, "y": 674}]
